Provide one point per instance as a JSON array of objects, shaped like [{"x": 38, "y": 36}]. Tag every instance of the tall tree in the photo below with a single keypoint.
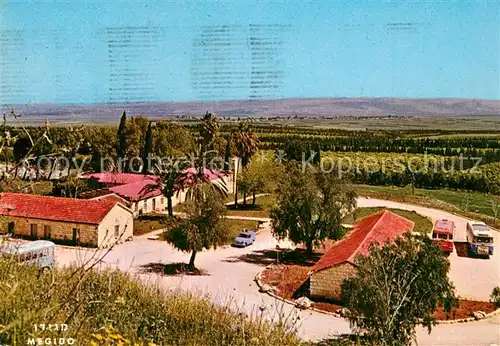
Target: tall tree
[
  {"x": 317, "y": 156},
  {"x": 209, "y": 131},
  {"x": 227, "y": 156},
  {"x": 310, "y": 207},
  {"x": 245, "y": 143},
  {"x": 135, "y": 134},
  {"x": 146, "y": 153},
  {"x": 198, "y": 175},
  {"x": 170, "y": 180},
  {"x": 121, "y": 142},
  {"x": 203, "y": 228},
  {"x": 397, "y": 287},
  {"x": 171, "y": 139}
]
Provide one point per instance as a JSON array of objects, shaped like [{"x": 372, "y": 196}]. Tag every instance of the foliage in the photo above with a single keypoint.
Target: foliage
[
  {"x": 295, "y": 150},
  {"x": 244, "y": 142},
  {"x": 135, "y": 135},
  {"x": 170, "y": 181},
  {"x": 203, "y": 228},
  {"x": 495, "y": 296},
  {"x": 310, "y": 206},
  {"x": 121, "y": 140},
  {"x": 209, "y": 132},
  {"x": 397, "y": 287},
  {"x": 146, "y": 151},
  {"x": 69, "y": 186},
  {"x": 259, "y": 176},
  {"x": 171, "y": 139},
  {"x": 88, "y": 301}
]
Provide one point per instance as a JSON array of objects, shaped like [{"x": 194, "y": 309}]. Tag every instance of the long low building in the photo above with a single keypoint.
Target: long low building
[
  {"x": 135, "y": 188},
  {"x": 97, "y": 222}
]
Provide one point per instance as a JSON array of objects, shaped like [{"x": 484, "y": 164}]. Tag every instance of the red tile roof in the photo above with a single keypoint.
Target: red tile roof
[
  {"x": 136, "y": 191},
  {"x": 111, "y": 197},
  {"x": 88, "y": 211},
  {"x": 377, "y": 228},
  {"x": 118, "y": 178},
  {"x": 133, "y": 186}
]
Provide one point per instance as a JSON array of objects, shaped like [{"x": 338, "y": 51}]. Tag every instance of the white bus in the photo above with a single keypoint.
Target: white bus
[
  {"x": 38, "y": 252},
  {"x": 479, "y": 238}
]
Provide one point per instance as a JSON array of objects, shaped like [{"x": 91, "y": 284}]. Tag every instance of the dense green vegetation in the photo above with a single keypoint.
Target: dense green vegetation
[
  {"x": 396, "y": 288},
  {"x": 89, "y": 302}
]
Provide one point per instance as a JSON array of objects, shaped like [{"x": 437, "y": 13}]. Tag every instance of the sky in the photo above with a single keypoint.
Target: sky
[{"x": 146, "y": 51}]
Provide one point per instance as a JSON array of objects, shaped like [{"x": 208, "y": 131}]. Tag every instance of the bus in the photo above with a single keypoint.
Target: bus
[
  {"x": 479, "y": 238},
  {"x": 38, "y": 252},
  {"x": 442, "y": 234}
]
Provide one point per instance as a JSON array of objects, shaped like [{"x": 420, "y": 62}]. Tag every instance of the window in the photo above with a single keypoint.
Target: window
[
  {"x": 46, "y": 231},
  {"x": 34, "y": 230},
  {"x": 145, "y": 207},
  {"x": 117, "y": 231},
  {"x": 434, "y": 235},
  {"x": 442, "y": 236},
  {"x": 450, "y": 237},
  {"x": 162, "y": 200}
]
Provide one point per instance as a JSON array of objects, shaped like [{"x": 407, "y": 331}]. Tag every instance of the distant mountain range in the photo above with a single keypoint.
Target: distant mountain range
[{"x": 323, "y": 107}]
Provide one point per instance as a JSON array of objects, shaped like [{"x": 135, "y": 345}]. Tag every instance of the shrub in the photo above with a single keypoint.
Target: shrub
[
  {"x": 495, "y": 296},
  {"x": 89, "y": 301}
]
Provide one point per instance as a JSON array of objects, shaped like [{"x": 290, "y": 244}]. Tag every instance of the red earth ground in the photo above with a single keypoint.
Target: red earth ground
[{"x": 290, "y": 282}]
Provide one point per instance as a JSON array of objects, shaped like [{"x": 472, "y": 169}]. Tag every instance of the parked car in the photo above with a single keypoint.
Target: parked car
[{"x": 245, "y": 238}]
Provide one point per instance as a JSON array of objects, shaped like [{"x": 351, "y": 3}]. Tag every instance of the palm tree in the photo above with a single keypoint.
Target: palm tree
[
  {"x": 170, "y": 181},
  {"x": 209, "y": 131},
  {"x": 245, "y": 144},
  {"x": 197, "y": 177}
]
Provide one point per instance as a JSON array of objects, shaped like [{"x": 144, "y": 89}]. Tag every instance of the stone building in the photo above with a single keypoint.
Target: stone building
[
  {"x": 337, "y": 263},
  {"x": 97, "y": 222},
  {"x": 134, "y": 188}
]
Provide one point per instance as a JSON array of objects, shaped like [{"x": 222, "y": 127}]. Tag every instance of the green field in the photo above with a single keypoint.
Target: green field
[{"x": 468, "y": 201}]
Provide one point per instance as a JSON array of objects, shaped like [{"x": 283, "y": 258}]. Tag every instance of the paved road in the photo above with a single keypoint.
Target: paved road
[{"x": 230, "y": 272}]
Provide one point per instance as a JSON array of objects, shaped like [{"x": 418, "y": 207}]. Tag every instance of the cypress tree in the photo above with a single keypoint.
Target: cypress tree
[
  {"x": 120, "y": 138},
  {"x": 317, "y": 157},
  {"x": 148, "y": 146},
  {"x": 227, "y": 157}
]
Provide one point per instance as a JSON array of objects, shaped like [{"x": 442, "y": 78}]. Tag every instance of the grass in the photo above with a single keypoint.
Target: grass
[
  {"x": 151, "y": 222},
  {"x": 106, "y": 306},
  {"x": 473, "y": 205},
  {"x": 422, "y": 224},
  {"x": 262, "y": 207}
]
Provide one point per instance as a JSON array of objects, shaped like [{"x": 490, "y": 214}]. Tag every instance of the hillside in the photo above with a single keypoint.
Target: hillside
[{"x": 286, "y": 107}]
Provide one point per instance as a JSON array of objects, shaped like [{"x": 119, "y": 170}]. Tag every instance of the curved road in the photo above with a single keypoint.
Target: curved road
[{"x": 230, "y": 273}]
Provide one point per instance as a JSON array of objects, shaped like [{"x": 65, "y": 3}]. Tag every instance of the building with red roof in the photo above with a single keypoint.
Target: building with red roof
[
  {"x": 337, "y": 263},
  {"x": 135, "y": 188},
  {"x": 96, "y": 222}
]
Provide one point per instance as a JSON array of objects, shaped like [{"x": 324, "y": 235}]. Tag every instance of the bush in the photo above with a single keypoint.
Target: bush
[
  {"x": 89, "y": 302},
  {"x": 495, "y": 296}
]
